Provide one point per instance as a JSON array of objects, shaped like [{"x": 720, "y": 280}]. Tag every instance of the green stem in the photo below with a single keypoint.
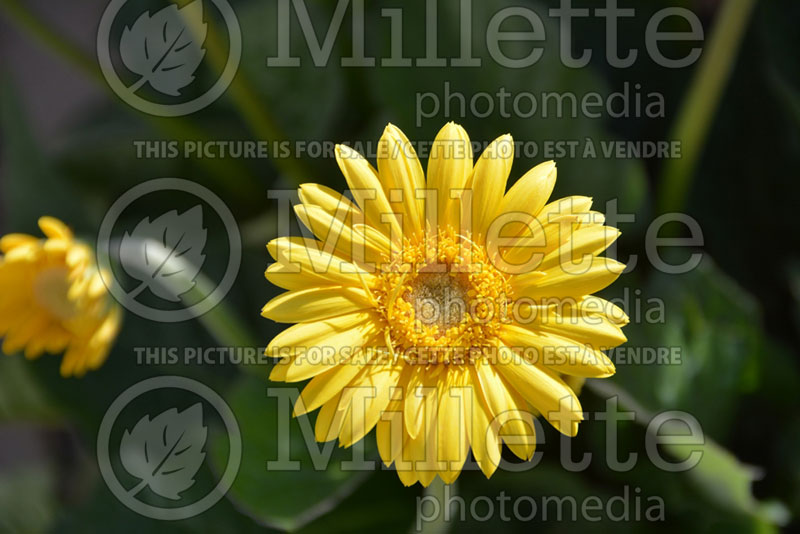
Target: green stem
[
  {"x": 225, "y": 325},
  {"x": 249, "y": 104},
  {"x": 701, "y": 102},
  {"x": 47, "y": 36},
  {"x": 436, "y": 490},
  {"x": 222, "y": 322}
]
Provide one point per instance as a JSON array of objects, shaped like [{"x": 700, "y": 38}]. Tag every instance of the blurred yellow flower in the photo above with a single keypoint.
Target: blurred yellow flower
[
  {"x": 448, "y": 313},
  {"x": 54, "y": 300}
]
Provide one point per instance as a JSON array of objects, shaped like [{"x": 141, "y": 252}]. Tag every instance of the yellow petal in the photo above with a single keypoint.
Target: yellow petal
[
  {"x": 554, "y": 400},
  {"x": 406, "y": 464},
  {"x": 564, "y": 206},
  {"x": 10, "y": 241},
  {"x": 316, "y": 304},
  {"x": 108, "y": 329},
  {"x": 78, "y": 255},
  {"x": 482, "y": 431},
  {"x": 592, "y": 305},
  {"x": 449, "y": 169},
  {"x": 506, "y": 412},
  {"x": 304, "y": 262},
  {"x": 324, "y": 387},
  {"x": 35, "y": 347},
  {"x": 329, "y": 421},
  {"x": 389, "y": 432},
  {"x": 372, "y": 391},
  {"x": 365, "y": 185},
  {"x": 531, "y": 192},
  {"x": 18, "y": 336},
  {"x": 595, "y": 274},
  {"x": 520, "y": 440},
  {"x": 452, "y": 442},
  {"x": 336, "y": 234},
  {"x": 375, "y": 239},
  {"x": 55, "y": 229},
  {"x": 591, "y": 240},
  {"x": 315, "y": 347},
  {"x": 420, "y": 388},
  {"x": 524, "y": 240},
  {"x": 422, "y": 449},
  {"x": 97, "y": 287},
  {"x": 489, "y": 184},
  {"x": 23, "y": 253},
  {"x": 57, "y": 339},
  {"x": 558, "y": 353},
  {"x": 402, "y": 175},
  {"x": 596, "y": 330},
  {"x": 71, "y": 363},
  {"x": 591, "y": 218},
  {"x": 331, "y": 201}
]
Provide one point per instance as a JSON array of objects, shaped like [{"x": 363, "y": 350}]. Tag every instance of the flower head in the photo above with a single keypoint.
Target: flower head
[
  {"x": 447, "y": 312},
  {"x": 54, "y": 299}
]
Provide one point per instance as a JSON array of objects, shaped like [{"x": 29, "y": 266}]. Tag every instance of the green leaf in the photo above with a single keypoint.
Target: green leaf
[
  {"x": 719, "y": 476},
  {"x": 284, "y": 498},
  {"x": 728, "y": 482},
  {"x": 711, "y": 328}
]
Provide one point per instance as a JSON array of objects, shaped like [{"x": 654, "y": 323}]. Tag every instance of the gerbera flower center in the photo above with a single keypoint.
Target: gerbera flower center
[
  {"x": 50, "y": 291},
  {"x": 439, "y": 299},
  {"x": 442, "y": 299}
]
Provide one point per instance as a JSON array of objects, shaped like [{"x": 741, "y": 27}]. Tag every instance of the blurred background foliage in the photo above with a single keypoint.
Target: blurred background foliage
[{"x": 736, "y": 318}]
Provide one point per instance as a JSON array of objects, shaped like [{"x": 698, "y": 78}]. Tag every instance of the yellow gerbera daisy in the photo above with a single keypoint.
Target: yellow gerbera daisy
[
  {"x": 446, "y": 313},
  {"x": 54, "y": 300}
]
